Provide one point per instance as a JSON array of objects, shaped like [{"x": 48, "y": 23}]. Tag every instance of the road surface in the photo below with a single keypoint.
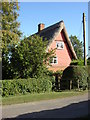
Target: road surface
[{"x": 71, "y": 107}]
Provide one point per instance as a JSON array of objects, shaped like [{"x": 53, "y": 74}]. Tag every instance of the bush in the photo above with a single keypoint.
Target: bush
[
  {"x": 0, "y": 87},
  {"x": 77, "y": 62},
  {"x": 89, "y": 77},
  {"x": 59, "y": 73},
  {"x": 88, "y": 61},
  {"x": 23, "y": 86},
  {"x": 74, "y": 73}
]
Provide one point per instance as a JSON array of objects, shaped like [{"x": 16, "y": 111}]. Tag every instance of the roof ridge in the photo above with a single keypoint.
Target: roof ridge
[
  {"x": 58, "y": 24},
  {"x": 52, "y": 31}
]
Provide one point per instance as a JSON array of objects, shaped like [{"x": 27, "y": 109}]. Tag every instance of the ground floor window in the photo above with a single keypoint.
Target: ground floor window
[{"x": 54, "y": 60}]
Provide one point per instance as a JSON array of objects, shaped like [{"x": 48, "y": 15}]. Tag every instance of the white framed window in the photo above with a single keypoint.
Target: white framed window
[
  {"x": 54, "y": 60},
  {"x": 60, "y": 45}
]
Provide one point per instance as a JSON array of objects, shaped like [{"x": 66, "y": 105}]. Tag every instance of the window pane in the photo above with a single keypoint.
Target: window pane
[
  {"x": 55, "y": 61},
  {"x": 60, "y": 45},
  {"x": 51, "y": 60}
]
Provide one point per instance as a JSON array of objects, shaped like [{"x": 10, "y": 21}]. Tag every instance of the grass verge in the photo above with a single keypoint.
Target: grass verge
[
  {"x": 0, "y": 100},
  {"x": 38, "y": 97}
]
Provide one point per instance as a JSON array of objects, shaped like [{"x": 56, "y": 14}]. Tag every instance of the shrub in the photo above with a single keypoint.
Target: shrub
[
  {"x": 77, "y": 62},
  {"x": 59, "y": 73},
  {"x": 23, "y": 86},
  {"x": 89, "y": 77},
  {"x": 74, "y": 73},
  {"x": 88, "y": 61},
  {"x": 0, "y": 87}
]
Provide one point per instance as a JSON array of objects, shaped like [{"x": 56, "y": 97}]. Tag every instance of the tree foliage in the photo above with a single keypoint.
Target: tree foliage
[
  {"x": 75, "y": 73},
  {"x": 88, "y": 61},
  {"x": 10, "y": 33},
  {"x": 78, "y": 47},
  {"x": 29, "y": 58},
  {"x": 20, "y": 59},
  {"x": 77, "y": 62}
]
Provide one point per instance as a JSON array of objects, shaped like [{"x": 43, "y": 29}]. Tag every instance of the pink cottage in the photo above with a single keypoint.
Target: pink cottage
[{"x": 58, "y": 38}]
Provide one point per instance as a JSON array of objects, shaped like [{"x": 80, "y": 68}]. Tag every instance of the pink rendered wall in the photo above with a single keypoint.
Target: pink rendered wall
[{"x": 64, "y": 55}]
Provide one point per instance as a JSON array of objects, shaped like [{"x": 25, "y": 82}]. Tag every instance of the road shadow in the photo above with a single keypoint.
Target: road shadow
[{"x": 72, "y": 111}]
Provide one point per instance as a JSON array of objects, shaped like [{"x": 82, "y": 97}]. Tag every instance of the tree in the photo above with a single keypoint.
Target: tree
[
  {"x": 88, "y": 61},
  {"x": 78, "y": 47},
  {"x": 10, "y": 34},
  {"x": 29, "y": 58}
]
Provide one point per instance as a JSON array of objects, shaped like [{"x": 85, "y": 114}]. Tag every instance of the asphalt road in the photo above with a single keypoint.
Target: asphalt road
[{"x": 72, "y": 107}]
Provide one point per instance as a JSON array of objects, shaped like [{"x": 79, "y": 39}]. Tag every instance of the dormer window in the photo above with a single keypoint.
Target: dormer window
[{"x": 60, "y": 45}]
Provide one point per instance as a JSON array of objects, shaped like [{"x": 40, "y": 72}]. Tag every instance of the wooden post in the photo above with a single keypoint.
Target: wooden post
[
  {"x": 78, "y": 83},
  {"x": 85, "y": 62},
  {"x": 56, "y": 81},
  {"x": 59, "y": 79},
  {"x": 70, "y": 84}
]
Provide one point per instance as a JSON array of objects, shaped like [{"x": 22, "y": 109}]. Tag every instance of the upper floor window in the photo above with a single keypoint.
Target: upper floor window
[{"x": 60, "y": 45}]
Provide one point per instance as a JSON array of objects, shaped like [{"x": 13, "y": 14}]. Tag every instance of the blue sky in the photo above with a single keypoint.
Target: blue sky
[{"x": 33, "y": 13}]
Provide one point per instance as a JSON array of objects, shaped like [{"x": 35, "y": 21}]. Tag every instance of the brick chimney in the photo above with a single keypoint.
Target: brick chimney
[{"x": 41, "y": 27}]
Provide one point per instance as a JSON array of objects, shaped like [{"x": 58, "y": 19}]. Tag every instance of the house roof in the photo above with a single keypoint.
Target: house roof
[{"x": 53, "y": 31}]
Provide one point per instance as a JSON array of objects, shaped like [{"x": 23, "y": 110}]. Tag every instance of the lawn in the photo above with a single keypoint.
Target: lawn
[
  {"x": 0, "y": 100},
  {"x": 37, "y": 97}
]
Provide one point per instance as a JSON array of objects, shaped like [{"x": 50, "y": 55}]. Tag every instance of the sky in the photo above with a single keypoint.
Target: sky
[{"x": 33, "y": 13}]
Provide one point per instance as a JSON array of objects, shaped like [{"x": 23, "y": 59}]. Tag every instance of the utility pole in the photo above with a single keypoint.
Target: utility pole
[{"x": 85, "y": 61}]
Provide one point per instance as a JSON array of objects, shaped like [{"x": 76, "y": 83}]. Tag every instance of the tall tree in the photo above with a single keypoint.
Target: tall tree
[
  {"x": 10, "y": 33},
  {"x": 29, "y": 58},
  {"x": 78, "y": 47}
]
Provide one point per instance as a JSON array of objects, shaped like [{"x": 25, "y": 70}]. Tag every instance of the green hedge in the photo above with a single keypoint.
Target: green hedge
[
  {"x": 74, "y": 73},
  {"x": 0, "y": 87},
  {"x": 23, "y": 86},
  {"x": 80, "y": 62},
  {"x": 77, "y": 62},
  {"x": 88, "y": 61}
]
